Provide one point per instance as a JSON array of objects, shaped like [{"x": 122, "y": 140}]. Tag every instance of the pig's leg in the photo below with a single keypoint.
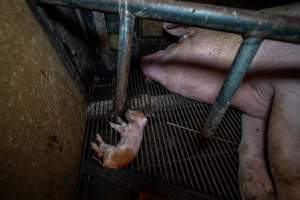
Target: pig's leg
[
  {"x": 284, "y": 140},
  {"x": 254, "y": 180}
]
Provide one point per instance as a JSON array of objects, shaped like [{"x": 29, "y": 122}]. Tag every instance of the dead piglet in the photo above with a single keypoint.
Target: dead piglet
[{"x": 131, "y": 137}]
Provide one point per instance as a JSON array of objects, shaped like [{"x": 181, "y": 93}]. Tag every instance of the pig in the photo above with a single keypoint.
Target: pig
[
  {"x": 124, "y": 152},
  {"x": 269, "y": 165}
]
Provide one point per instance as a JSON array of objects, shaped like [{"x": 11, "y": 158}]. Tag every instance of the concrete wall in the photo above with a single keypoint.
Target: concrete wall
[{"x": 42, "y": 112}]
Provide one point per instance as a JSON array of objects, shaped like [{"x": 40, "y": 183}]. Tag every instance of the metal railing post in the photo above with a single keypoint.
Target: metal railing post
[
  {"x": 124, "y": 55},
  {"x": 238, "y": 69}
]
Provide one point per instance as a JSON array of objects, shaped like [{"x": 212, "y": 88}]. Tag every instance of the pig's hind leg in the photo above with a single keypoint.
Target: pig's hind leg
[
  {"x": 284, "y": 140},
  {"x": 254, "y": 180}
]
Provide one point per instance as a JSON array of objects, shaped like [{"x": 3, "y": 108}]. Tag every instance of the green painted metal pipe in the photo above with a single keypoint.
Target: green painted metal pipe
[
  {"x": 238, "y": 69},
  {"x": 124, "y": 56},
  {"x": 208, "y": 16}
]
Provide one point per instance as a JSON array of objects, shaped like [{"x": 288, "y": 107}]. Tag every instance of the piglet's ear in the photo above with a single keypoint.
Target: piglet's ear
[{"x": 175, "y": 29}]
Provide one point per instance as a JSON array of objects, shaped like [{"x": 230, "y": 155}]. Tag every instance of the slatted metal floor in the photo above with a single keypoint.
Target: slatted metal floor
[{"x": 175, "y": 155}]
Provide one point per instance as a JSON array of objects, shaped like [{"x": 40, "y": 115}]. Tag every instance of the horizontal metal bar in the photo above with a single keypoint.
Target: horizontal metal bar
[
  {"x": 238, "y": 69},
  {"x": 124, "y": 56},
  {"x": 208, "y": 16}
]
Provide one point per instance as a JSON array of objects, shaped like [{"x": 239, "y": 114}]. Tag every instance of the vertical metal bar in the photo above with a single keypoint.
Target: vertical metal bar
[
  {"x": 124, "y": 56},
  {"x": 233, "y": 80},
  {"x": 82, "y": 24}
]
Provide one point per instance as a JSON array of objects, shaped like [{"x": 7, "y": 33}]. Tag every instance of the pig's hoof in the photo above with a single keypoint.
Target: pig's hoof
[{"x": 255, "y": 183}]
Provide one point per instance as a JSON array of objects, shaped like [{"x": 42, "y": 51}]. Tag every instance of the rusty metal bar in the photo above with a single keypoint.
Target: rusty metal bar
[
  {"x": 124, "y": 56},
  {"x": 234, "y": 20},
  {"x": 238, "y": 69}
]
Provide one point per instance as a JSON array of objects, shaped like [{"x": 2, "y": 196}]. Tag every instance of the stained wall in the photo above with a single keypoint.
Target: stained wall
[{"x": 42, "y": 113}]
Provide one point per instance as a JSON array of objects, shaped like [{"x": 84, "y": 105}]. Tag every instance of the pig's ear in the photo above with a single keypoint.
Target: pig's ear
[{"x": 175, "y": 29}]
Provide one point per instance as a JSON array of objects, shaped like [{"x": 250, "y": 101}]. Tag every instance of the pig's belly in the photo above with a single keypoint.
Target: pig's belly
[{"x": 203, "y": 84}]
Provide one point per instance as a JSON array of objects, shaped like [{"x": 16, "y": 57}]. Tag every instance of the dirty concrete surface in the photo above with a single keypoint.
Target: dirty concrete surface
[{"x": 42, "y": 112}]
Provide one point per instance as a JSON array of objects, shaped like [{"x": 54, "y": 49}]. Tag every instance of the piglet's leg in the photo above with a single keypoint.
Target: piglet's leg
[
  {"x": 119, "y": 127},
  {"x": 99, "y": 139},
  {"x": 120, "y": 121},
  {"x": 103, "y": 146},
  {"x": 98, "y": 147}
]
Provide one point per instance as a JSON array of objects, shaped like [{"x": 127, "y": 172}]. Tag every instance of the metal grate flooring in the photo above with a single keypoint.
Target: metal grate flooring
[{"x": 175, "y": 155}]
